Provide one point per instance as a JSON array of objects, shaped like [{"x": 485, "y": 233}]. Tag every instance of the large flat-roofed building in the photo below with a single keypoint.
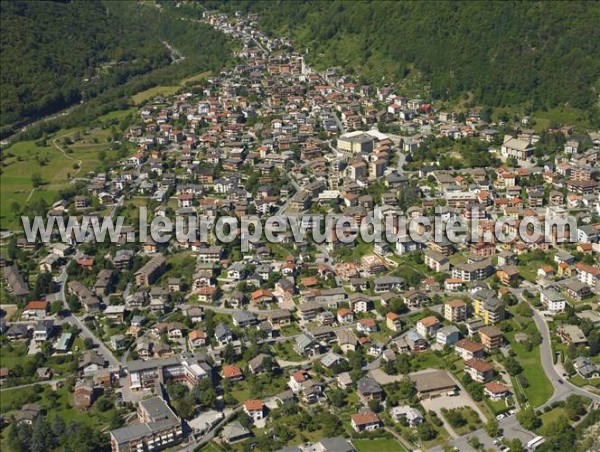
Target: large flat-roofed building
[
  {"x": 433, "y": 383},
  {"x": 158, "y": 429},
  {"x": 151, "y": 271},
  {"x": 187, "y": 369},
  {"x": 356, "y": 142}
]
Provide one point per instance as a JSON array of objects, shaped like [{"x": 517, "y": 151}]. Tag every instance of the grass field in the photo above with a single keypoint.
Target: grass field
[
  {"x": 196, "y": 78},
  {"x": 143, "y": 96},
  {"x": 551, "y": 416},
  {"x": 377, "y": 445},
  {"x": 166, "y": 90},
  {"x": 55, "y": 168},
  {"x": 13, "y": 354},
  {"x": 580, "y": 381},
  {"x": 116, "y": 114},
  {"x": 15, "y": 182},
  {"x": 540, "y": 388}
]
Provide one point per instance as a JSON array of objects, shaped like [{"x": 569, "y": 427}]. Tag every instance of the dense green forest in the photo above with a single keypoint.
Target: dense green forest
[
  {"x": 57, "y": 54},
  {"x": 505, "y": 53}
]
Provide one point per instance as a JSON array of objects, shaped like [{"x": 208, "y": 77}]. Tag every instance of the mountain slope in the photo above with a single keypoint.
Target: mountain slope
[
  {"x": 57, "y": 54},
  {"x": 543, "y": 53}
]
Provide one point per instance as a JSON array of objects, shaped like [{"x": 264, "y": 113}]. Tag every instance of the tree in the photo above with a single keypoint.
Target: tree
[
  {"x": 15, "y": 207},
  {"x": 44, "y": 284},
  {"x": 512, "y": 366},
  {"x": 523, "y": 309},
  {"x": 337, "y": 398},
  {"x": 375, "y": 406},
  {"x": 559, "y": 435},
  {"x": 492, "y": 428},
  {"x": 56, "y": 307},
  {"x": 245, "y": 420},
  {"x": 36, "y": 180},
  {"x": 57, "y": 426},
  {"x": 403, "y": 363},
  {"x": 515, "y": 445},
  {"x": 103, "y": 404},
  {"x": 229, "y": 353},
  {"x": 406, "y": 388},
  {"x": 528, "y": 419},
  {"x": 389, "y": 368},
  {"x": 474, "y": 442},
  {"x": 426, "y": 432},
  {"x": 575, "y": 407},
  {"x": 569, "y": 367}
]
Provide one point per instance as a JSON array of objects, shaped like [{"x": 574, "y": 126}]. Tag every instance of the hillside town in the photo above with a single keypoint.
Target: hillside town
[{"x": 304, "y": 346}]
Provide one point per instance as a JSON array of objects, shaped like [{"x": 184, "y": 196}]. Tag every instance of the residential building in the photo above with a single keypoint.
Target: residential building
[
  {"x": 491, "y": 337},
  {"x": 365, "y": 422},
  {"x": 447, "y": 335},
  {"x": 553, "y": 300},
  {"x": 412, "y": 415},
  {"x": 159, "y": 428},
  {"x": 455, "y": 311},
  {"x": 428, "y": 326},
  {"x": 496, "y": 391},
  {"x": 468, "y": 349},
  {"x": 479, "y": 370},
  {"x": 254, "y": 409}
]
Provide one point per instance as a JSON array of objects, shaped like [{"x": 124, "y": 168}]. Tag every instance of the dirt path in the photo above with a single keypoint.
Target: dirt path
[
  {"x": 57, "y": 146},
  {"x": 30, "y": 195}
]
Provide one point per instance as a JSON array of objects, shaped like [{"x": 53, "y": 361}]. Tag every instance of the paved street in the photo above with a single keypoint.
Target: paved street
[
  {"x": 564, "y": 389},
  {"x": 75, "y": 321}
]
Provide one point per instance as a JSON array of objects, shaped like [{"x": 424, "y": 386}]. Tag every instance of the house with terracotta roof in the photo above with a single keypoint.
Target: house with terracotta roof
[
  {"x": 261, "y": 296},
  {"x": 468, "y": 349},
  {"x": 297, "y": 380},
  {"x": 254, "y": 408},
  {"x": 453, "y": 284},
  {"x": 345, "y": 316},
  {"x": 479, "y": 370},
  {"x": 196, "y": 338},
  {"x": 393, "y": 321},
  {"x": 496, "y": 391},
  {"x": 365, "y": 422},
  {"x": 232, "y": 373},
  {"x": 367, "y": 326},
  {"x": 588, "y": 275},
  {"x": 428, "y": 326},
  {"x": 545, "y": 271},
  {"x": 35, "y": 309}
]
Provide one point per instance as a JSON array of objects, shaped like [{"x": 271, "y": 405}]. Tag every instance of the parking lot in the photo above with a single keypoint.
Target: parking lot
[{"x": 445, "y": 401}]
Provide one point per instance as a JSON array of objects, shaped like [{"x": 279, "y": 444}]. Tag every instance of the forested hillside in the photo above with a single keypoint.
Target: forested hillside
[
  {"x": 543, "y": 53},
  {"x": 57, "y": 54}
]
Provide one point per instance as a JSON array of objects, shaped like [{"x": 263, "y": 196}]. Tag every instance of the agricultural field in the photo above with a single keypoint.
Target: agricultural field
[{"x": 56, "y": 160}]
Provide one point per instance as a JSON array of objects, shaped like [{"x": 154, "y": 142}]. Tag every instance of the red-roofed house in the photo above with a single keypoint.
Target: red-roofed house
[
  {"x": 479, "y": 370},
  {"x": 35, "y": 309},
  {"x": 365, "y": 422},
  {"x": 468, "y": 349},
  {"x": 232, "y": 373},
  {"x": 393, "y": 322},
  {"x": 345, "y": 315},
  {"x": 367, "y": 326},
  {"x": 255, "y": 409},
  {"x": 588, "y": 275},
  {"x": 428, "y": 326},
  {"x": 496, "y": 391}
]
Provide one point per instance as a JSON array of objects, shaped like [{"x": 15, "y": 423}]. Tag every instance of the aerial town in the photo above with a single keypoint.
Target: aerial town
[{"x": 303, "y": 346}]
